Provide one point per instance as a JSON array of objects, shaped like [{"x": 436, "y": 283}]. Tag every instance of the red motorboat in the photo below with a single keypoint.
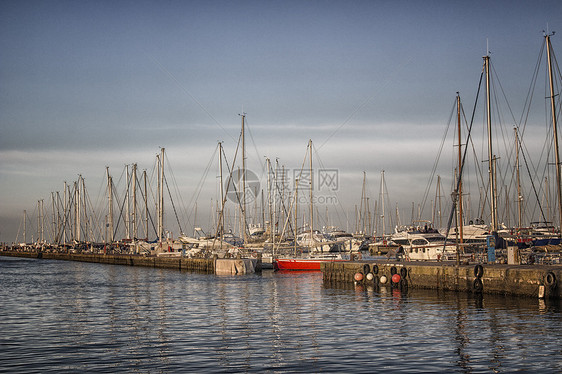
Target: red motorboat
[{"x": 312, "y": 263}]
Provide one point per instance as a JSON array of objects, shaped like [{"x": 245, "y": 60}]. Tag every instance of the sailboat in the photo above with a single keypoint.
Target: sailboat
[{"x": 311, "y": 247}]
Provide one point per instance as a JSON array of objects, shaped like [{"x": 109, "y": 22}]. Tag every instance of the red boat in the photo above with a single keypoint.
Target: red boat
[{"x": 302, "y": 263}]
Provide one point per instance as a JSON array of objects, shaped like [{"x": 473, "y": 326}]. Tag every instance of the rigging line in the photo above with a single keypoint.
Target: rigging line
[
  {"x": 185, "y": 91},
  {"x": 436, "y": 163},
  {"x": 533, "y": 184},
  {"x": 255, "y": 147},
  {"x": 97, "y": 218},
  {"x": 475, "y": 155},
  {"x": 201, "y": 182},
  {"x": 173, "y": 205},
  {"x": 531, "y": 90},
  {"x": 223, "y": 203},
  {"x": 175, "y": 184},
  {"x": 367, "y": 100},
  {"x": 199, "y": 187},
  {"x": 280, "y": 192},
  {"x": 455, "y": 195},
  {"x": 335, "y": 193},
  {"x": 116, "y": 228},
  {"x": 512, "y": 150}
]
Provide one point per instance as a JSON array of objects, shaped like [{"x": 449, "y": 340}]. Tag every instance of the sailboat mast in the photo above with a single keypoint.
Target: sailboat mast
[
  {"x": 555, "y": 128},
  {"x": 269, "y": 172},
  {"x": 128, "y": 206},
  {"x": 519, "y": 197},
  {"x": 161, "y": 196},
  {"x": 311, "y": 203},
  {"x": 243, "y": 115},
  {"x": 145, "y": 205},
  {"x": 65, "y": 214},
  {"x": 134, "y": 214},
  {"x": 221, "y": 233},
  {"x": 77, "y": 210},
  {"x": 25, "y": 226},
  {"x": 459, "y": 199},
  {"x": 110, "y": 205},
  {"x": 382, "y": 205},
  {"x": 493, "y": 202},
  {"x": 296, "y": 212}
]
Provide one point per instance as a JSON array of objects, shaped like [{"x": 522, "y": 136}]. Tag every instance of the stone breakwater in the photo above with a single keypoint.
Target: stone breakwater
[
  {"x": 206, "y": 265},
  {"x": 543, "y": 281}
]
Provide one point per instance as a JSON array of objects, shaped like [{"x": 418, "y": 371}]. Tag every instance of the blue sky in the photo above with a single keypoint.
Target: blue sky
[{"x": 87, "y": 85}]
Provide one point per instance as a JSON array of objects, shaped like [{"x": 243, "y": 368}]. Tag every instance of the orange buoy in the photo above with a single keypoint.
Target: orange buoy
[
  {"x": 396, "y": 278},
  {"x": 358, "y": 277}
]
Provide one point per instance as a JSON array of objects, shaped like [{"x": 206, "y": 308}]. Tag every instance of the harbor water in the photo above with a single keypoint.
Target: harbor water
[{"x": 63, "y": 316}]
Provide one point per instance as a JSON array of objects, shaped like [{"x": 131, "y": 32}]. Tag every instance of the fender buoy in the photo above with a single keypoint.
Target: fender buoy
[
  {"x": 550, "y": 279},
  {"x": 393, "y": 270},
  {"x": 478, "y": 271},
  {"x": 403, "y": 272},
  {"x": 477, "y": 285},
  {"x": 358, "y": 277},
  {"x": 383, "y": 279},
  {"x": 369, "y": 276},
  {"x": 375, "y": 269},
  {"x": 396, "y": 278},
  {"x": 366, "y": 269}
]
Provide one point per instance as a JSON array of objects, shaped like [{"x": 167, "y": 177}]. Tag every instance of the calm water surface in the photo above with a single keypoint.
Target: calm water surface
[{"x": 58, "y": 316}]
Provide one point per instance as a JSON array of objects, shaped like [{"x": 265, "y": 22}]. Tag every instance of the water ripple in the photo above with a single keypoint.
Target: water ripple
[{"x": 61, "y": 316}]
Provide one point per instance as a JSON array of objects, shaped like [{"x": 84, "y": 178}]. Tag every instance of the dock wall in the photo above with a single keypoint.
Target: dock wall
[
  {"x": 178, "y": 263},
  {"x": 519, "y": 280}
]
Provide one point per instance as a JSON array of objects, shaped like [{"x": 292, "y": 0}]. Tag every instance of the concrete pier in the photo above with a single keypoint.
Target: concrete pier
[
  {"x": 543, "y": 281},
  {"x": 206, "y": 265}
]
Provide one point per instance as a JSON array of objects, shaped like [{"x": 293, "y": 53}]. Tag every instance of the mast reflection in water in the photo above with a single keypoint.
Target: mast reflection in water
[{"x": 70, "y": 316}]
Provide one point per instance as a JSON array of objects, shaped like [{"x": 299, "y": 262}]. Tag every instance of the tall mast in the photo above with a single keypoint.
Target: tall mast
[
  {"x": 519, "y": 196},
  {"x": 555, "y": 129},
  {"x": 161, "y": 195},
  {"x": 221, "y": 233},
  {"x": 110, "y": 205},
  {"x": 25, "y": 226},
  {"x": 362, "y": 206},
  {"x": 310, "y": 184},
  {"x": 54, "y": 224},
  {"x": 145, "y": 205},
  {"x": 459, "y": 197},
  {"x": 83, "y": 197},
  {"x": 39, "y": 234},
  {"x": 134, "y": 214},
  {"x": 274, "y": 215},
  {"x": 65, "y": 214},
  {"x": 382, "y": 204},
  {"x": 296, "y": 212},
  {"x": 493, "y": 202},
  {"x": 437, "y": 214},
  {"x": 77, "y": 210},
  {"x": 269, "y": 198},
  {"x": 128, "y": 205},
  {"x": 243, "y": 115}
]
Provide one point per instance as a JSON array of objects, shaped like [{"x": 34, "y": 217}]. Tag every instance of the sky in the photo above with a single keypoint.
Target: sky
[{"x": 93, "y": 84}]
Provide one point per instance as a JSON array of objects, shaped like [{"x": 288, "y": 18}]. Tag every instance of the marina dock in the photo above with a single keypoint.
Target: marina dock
[
  {"x": 205, "y": 265},
  {"x": 542, "y": 281}
]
